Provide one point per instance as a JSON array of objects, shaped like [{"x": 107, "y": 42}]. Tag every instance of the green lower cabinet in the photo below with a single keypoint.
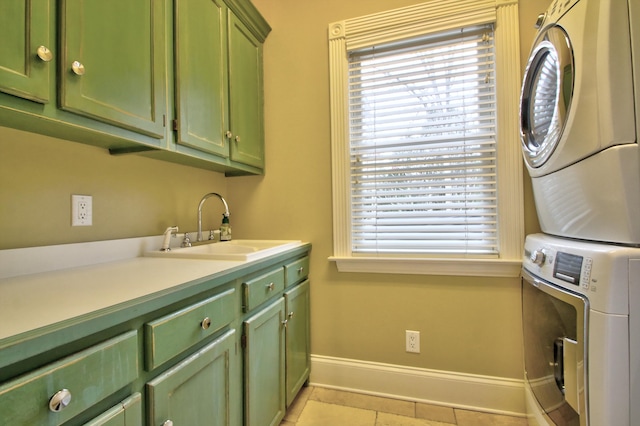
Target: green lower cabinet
[
  {"x": 127, "y": 413},
  {"x": 298, "y": 350},
  {"x": 264, "y": 356},
  {"x": 198, "y": 391}
]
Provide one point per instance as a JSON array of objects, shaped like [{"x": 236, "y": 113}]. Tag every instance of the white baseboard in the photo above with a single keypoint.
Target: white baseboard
[{"x": 457, "y": 390}]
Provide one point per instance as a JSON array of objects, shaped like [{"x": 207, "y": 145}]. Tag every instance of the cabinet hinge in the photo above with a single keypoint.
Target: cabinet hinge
[
  {"x": 243, "y": 341},
  {"x": 174, "y": 124}
]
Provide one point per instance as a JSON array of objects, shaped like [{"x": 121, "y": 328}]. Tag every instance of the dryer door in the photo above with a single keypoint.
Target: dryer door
[{"x": 547, "y": 90}]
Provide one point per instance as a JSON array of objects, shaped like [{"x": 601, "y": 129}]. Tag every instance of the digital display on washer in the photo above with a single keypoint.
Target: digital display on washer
[{"x": 568, "y": 267}]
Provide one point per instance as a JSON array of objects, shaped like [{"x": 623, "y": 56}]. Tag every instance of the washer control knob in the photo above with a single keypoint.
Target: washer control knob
[{"x": 538, "y": 257}]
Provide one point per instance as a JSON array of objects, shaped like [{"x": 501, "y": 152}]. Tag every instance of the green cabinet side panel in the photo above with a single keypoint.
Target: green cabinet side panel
[
  {"x": 246, "y": 95},
  {"x": 298, "y": 351},
  {"x": 25, "y": 26},
  {"x": 264, "y": 366},
  {"x": 121, "y": 45},
  {"x": 197, "y": 391},
  {"x": 200, "y": 75},
  {"x": 127, "y": 413},
  {"x": 90, "y": 376}
]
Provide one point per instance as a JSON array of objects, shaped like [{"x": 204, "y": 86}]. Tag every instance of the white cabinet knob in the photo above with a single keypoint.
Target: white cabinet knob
[
  {"x": 44, "y": 54},
  {"x": 77, "y": 68}
]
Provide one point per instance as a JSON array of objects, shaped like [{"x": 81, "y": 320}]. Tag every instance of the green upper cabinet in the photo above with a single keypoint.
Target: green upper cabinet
[
  {"x": 26, "y": 49},
  {"x": 246, "y": 95},
  {"x": 112, "y": 65},
  {"x": 200, "y": 76},
  {"x": 218, "y": 80},
  {"x": 176, "y": 80}
]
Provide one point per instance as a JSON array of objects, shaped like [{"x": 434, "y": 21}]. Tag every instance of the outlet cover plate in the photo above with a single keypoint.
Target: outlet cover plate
[
  {"x": 412, "y": 341},
  {"x": 81, "y": 210}
]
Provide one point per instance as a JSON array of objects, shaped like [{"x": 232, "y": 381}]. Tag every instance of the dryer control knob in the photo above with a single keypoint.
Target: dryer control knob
[
  {"x": 540, "y": 21},
  {"x": 538, "y": 257}
]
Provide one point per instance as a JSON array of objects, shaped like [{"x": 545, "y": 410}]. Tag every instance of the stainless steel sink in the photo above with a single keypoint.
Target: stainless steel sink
[{"x": 241, "y": 250}]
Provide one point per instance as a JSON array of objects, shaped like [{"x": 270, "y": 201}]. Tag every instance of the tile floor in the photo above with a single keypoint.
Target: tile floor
[{"x": 316, "y": 406}]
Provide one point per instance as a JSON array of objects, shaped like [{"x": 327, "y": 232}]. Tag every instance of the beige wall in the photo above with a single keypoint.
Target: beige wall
[
  {"x": 468, "y": 324},
  {"x": 132, "y": 196}
]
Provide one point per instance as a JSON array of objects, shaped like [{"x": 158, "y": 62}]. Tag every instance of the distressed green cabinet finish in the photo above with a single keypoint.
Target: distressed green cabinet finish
[
  {"x": 176, "y": 80},
  {"x": 264, "y": 365},
  {"x": 172, "y": 334},
  {"x": 127, "y": 413},
  {"x": 201, "y": 77},
  {"x": 83, "y": 376},
  {"x": 246, "y": 95},
  {"x": 219, "y": 90},
  {"x": 197, "y": 390},
  {"x": 276, "y": 341},
  {"x": 24, "y": 31},
  {"x": 112, "y": 65},
  {"x": 298, "y": 351},
  {"x": 230, "y": 349}
]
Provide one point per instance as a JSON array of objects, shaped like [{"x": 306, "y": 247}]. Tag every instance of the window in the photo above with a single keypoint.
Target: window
[{"x": 427, "y": 172}]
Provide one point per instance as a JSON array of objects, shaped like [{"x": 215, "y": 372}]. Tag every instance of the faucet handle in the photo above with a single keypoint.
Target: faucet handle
[{"x": 186, "y": 242}]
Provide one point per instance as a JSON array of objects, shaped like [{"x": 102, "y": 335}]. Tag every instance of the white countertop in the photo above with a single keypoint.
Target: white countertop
[{"x": 32, "y": 300}]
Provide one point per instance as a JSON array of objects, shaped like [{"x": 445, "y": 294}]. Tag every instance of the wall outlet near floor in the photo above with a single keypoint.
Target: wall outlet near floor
[
  {"x": 81, "y": 210},
  {"x": 412, "y": 341}
]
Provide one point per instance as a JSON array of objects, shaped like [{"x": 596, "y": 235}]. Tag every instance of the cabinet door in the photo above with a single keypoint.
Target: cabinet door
[
  {"x": 127, "y": 413},
  {"x": 298, "y": 352},
  {"x": 264, "y": 366},
  {"x": 113, "y": 62},
  {"x": 245, "y": 95},
  {"x": 201, "y": 75},
  {"x": 24, "y": 28},
  {"x": 197, "y": 391}
]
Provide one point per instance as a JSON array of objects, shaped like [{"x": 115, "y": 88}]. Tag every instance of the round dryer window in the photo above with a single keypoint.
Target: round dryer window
[{"x": 546, "y": 95}]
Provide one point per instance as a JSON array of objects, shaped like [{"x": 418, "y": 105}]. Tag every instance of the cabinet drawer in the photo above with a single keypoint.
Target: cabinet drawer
[
  {"x": 88, "y": 377},
  {"x": 172, "y": 334},
  {"x": 259, "y": 289},
  {"x": 296, "y": 271}
]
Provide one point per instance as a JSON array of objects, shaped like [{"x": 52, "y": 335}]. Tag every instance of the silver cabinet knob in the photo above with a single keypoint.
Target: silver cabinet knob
[
  {"x": 77, "y": 68},
  {"x": 270, "y": 286},
  {"x": 237, "y": 139},
  {"x": 290, "y": 315},
  {"x": 206, "y": 323},
  {"x": 60, "y": 400},
  {"x": 228, "y": 134},
  {"x": 44, "y": 54},
  {"x": 167, "y": 423}
]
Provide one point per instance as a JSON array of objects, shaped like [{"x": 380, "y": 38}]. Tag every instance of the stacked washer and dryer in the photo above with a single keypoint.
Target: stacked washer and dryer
[{"x": 581, "y": 277}]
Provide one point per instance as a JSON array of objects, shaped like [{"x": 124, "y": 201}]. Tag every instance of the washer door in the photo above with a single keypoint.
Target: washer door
[
  {"x": 554, "y": 325},
  {"x": 547, "y": 90}
]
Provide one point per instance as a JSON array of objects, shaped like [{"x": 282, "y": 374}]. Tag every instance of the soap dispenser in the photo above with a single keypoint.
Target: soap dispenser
[{"x": 225, "y": 228}]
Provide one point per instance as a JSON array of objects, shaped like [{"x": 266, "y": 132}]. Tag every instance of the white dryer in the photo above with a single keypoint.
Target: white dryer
[{"x": 578, "y": 121}]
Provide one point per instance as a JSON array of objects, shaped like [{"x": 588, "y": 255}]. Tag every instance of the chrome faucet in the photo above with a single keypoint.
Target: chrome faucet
[
  {"x": 226, "y": 211},
  {"x": 167, "y": 238}
]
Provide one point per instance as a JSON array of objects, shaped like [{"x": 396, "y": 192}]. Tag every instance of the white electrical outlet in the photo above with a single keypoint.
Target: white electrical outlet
[
  {"x": 81, "y": 210},
  {"x": 412, "y": 341}
]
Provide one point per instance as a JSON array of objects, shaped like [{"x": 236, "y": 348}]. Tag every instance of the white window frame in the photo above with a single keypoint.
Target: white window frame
[{"x": 399, "y": 24}]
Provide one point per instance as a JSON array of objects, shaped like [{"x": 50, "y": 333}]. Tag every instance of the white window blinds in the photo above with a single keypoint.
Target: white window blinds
[{"x": 422, "y": 134}]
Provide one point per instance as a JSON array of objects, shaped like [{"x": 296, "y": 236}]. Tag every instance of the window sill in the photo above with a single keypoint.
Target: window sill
[{"x": 457, "y": 267}]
